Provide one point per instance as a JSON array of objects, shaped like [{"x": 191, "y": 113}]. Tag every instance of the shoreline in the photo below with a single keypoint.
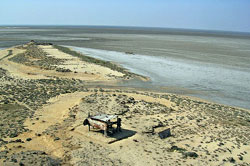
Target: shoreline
[
  {"x": 115, "y": 85},
  {"x": 109, "y": 64},
  {"x": 208, "y": 82},
  {"x": 144, "y": 79}
]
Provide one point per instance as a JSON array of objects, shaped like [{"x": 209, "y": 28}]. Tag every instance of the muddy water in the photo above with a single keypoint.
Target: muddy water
[{"x": 217, "y": 83}]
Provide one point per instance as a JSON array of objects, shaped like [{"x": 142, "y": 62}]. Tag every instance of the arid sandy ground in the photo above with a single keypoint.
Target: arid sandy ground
[{"x": 44, "y": 100}]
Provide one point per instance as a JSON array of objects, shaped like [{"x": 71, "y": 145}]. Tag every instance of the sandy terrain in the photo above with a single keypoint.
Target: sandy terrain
[
  {"x": 76, "y": 65},
  {"x": 43, "y": 110},
  {"x": 79, "y": 69}
]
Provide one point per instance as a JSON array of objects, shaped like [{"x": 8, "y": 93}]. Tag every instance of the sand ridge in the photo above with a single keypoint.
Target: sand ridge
[
  {"x": 80, "y": 70},
  {"x": 76, "y": 65}
]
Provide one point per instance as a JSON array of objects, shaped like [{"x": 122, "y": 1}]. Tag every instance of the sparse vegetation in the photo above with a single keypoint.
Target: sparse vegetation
[
  {"x": 34, "y": 158},
  {"x": 36, "y": 57},
  {"x": 11, "y": 120},
  {"x": 21, "y": 98}
]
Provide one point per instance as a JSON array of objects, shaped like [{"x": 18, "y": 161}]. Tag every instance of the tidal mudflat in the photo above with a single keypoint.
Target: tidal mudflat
[{"x": 215, "y": 82}]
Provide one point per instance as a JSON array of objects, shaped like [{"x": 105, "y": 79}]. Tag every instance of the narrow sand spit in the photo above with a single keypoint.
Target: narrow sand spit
[{"x": 80, "y": 70}]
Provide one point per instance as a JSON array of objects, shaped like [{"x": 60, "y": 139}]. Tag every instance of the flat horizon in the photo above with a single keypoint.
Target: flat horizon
[{"x": 123, "y": 26}]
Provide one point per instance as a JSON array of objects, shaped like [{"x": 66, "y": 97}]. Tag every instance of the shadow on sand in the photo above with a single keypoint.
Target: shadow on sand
[{"x": 117, "y": 136}]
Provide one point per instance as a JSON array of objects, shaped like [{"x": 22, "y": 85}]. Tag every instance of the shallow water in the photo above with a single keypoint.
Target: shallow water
[{"x": 213, "y": 82}]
